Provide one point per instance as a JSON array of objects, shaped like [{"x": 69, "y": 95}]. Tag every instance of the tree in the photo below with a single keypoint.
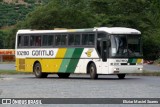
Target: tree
[
  {"x": 2, "y": 35},
  {"x": 60, "y": 13},
  {"x": 143, "y": 15},
  {"x": 139, "y": 14}
]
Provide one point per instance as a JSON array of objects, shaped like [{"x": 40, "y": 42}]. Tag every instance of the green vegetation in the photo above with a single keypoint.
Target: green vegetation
[
  {"x": 143, "y": 15},
  {"x": 157, "y": 62},
  {"x": 11, "y": 13},
  {"x": 1, "y": 39},
  {"x": 2, "y": 72}
]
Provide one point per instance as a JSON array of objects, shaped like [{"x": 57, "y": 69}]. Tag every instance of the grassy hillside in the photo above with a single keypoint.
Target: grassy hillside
[{"x": 12, "y": 11}]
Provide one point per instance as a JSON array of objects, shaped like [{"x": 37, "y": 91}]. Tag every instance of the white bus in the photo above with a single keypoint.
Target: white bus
[{"x": 94, "y": 51}]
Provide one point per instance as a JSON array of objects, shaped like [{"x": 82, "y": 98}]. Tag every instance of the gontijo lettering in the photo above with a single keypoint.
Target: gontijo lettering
[
  {"x": 36, "y": 53},
  {"x": 42, "y": 53}
]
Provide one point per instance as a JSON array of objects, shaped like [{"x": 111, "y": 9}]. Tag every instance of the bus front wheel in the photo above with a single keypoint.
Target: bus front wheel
[
  {"x": 93, "y": 71},
  {"x": 121, "y": 76},
  {"x": 63, "y": 75},
  {"x": 38, "y": 71}
]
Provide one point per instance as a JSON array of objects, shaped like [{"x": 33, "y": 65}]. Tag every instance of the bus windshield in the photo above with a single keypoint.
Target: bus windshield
[{"x": 126, "y": 46}]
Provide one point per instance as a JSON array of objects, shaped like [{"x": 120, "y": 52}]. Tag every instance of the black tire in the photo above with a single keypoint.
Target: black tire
[
  {"x": 93, "y": 71},
  {"x": 63, "y": 75},
  {"x": 38, "y": 71},
  {"x": 121, "y": 76}
]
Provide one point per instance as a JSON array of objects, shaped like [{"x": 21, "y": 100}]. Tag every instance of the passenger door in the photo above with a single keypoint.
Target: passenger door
[{"x": 103, "y": 50}]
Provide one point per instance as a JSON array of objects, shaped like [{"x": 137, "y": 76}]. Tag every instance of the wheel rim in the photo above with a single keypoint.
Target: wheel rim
[
  {"x": 92, "y": 70},
  {"x": 37, "y": 70}
]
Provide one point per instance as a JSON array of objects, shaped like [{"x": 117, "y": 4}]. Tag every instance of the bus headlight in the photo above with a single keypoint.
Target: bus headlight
[
  {"x": 116, "y": 69},
  {"x": 140, "y": 69}
]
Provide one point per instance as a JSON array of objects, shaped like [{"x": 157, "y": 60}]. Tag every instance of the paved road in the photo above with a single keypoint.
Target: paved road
[
  {"x": 151, "y": 68},
  {"x": 79, "y": 86},
  {"x": 12, "y": 67},
  {"x": 7, "y": 66}
]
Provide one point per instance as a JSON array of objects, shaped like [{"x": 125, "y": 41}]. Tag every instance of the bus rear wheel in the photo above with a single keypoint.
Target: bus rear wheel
[
  {"x": 93, "y": 71},
  {"x": 63, "y": 75},
  {"x": 121, "y": 76},
  {"x": 38, "y": 71}
]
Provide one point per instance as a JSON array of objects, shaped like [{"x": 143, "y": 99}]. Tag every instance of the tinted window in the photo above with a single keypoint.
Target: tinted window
[
  {"x": 50, "y": 40},
  {"x": 47, "y": 40},
  {"x": 91, "y": 39},
  {"x": 35, "y": 41},
  {"x": 71, "y": 39},
  {"x": 77, "y": 39},
  {"x": 102, "y": 35},
  {"x": 19, "y": 41},
  {"x": 84, "y": 39},
  {"x": 38, "y": 41},
  {"x": 88, "y": 39},
  {"x": 32, "y": 40},
  {"x": 58, "y": 40},
  {"x": 26, "y": 40},
  {"x": 61, "y": 40},
  {"x": 74, "y": 39}
]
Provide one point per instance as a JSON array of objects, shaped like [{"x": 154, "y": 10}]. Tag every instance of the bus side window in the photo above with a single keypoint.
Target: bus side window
[
  {"x": 58, "y": 40},
  {"x": 50, "y": 40},
  {"x": 19, "y": 41},
  {"x": 26, "y": 40},
  {"x": 91, "y": 39},
  {"x": 102, "y": 35},
  {"x": 44, "y": 40},
  {"x": 38, "y": 41},
  {"x": 71, "y": 39},
  {"x": 88, "y": 39},
  {"x": 84, "y": 39},
  {"x": 74, "y": 39},
  {"x": 47, "y": 40},
  {"x": 77, "y": 39},
  {"x": 32, "y": 40},
  {"x": 63, "y": 40}
]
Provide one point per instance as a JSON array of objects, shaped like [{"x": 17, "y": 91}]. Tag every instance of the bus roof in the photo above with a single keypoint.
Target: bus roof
[
  {"x": 119, "y": 30},
  {"x": 110, "y": 30}
]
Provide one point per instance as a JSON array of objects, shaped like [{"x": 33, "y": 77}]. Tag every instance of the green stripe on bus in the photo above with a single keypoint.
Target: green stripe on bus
[
  {"x": 132, "y": 60},
  {"x": 74, "y": 60},
  {"x": 66, "y": 60}
]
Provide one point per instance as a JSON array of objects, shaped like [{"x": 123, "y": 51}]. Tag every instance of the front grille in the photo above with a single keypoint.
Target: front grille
[
  {"x": 124, "y": 63},
  {"x": 128, "y": 63},
  {"x": 132, "y": 63}
]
